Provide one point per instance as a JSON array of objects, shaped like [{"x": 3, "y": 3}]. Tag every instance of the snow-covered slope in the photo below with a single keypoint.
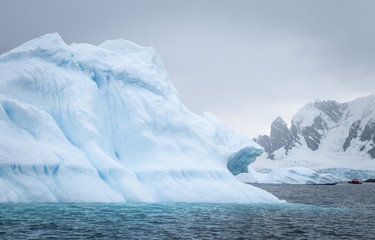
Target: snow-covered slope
[
  {"x": 326, "y": 136},
  {"x": 84, "y": 123}
]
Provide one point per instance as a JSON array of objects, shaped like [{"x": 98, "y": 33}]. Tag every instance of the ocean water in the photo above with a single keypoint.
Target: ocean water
[{"x": 342, "y": 211}]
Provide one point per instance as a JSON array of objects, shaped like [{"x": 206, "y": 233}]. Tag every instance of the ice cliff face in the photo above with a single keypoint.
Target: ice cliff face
[
  {"x": 84, "y": 123},
  {"x": 292, "y": 175},
  {"x": 239, "y": 162},
  {"x": 324, "y": 135}
]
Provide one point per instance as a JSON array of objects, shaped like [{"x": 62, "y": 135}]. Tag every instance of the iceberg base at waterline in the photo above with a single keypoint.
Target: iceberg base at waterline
[
  {"x": 292, "y": 175},
  {"x": 118, "y": 185}
]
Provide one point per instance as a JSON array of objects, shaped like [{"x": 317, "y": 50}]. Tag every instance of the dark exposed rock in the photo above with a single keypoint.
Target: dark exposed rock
[
  {"x": 319, "y": 124},
  {"x": 369, "y": 131},
  {"x": 266, "y": 142},
  {"x": 294, "y": 131},
  {"x": 312, "y": 137},
  {"x": 280, "y": 137},
  {"x": 367, "y": 135},
  {"x": 332, "y": 109},
  {"x": 280, "y": 134},
  {"x": 353, "y": 133},
  {"x": 311, "y": 134},
  {"x": 372, "y": 152}
]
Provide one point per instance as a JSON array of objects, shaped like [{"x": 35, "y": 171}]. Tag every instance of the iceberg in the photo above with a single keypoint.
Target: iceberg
[
  {"x": 292, "y": 175},
  {"x": 347, "y": 174},
  {"x": 85, "y": 123}
]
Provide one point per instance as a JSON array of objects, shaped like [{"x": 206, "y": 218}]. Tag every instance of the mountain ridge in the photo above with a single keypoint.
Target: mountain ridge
[{"x": 350, "y": 125}]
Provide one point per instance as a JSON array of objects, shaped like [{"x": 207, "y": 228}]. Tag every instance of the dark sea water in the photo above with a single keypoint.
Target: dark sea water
[{"x": 342, "y": 211}]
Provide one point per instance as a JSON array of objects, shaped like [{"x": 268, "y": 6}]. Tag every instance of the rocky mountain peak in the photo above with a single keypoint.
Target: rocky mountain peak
[
  {"x": 280, "y": 136},
  {"x": 320, "y": 120}
]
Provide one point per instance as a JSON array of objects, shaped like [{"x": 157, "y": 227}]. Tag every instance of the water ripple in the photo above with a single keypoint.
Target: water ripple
[{"x": 188, "y": 221}]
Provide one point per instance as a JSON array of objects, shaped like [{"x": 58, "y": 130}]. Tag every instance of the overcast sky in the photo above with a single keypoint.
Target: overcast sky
[{"x": 247, "y": 62}]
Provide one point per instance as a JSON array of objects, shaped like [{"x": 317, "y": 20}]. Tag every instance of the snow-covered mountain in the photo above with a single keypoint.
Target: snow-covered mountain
[
  {"x": 84, "y": 123},
  {"x": 325, "y": 136}
]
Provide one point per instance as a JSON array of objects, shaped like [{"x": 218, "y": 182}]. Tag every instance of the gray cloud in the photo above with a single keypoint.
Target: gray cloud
[{"x": 245, "y": 61}]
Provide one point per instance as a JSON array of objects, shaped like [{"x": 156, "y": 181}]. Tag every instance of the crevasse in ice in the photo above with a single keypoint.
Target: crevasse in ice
[{"x": 84, "y": 123}]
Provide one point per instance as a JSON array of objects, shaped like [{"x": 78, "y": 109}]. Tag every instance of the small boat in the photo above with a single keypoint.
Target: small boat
[{"x": 355, "y": 182}]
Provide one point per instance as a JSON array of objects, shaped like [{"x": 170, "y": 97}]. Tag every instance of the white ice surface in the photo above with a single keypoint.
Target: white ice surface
[
  {"x": 341, "y": 166},
  {"x": 292, "y": 175},
  {"x": 84, "y": 123}
]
